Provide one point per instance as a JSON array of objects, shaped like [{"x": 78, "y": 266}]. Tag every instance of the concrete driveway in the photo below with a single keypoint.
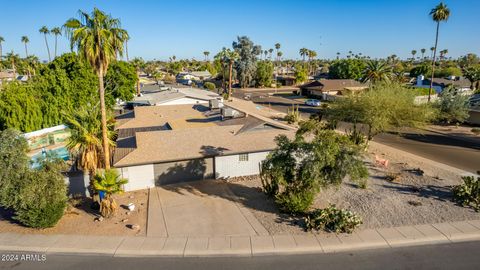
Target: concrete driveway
[{"x": 201, "y": 208}]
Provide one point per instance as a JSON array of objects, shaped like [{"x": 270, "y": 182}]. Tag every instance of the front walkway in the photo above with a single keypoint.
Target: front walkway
[{"x": 202, "y": 209}]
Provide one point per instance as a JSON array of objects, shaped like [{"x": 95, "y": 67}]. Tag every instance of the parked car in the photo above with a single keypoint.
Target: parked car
[{"x": 312, "y": 102}]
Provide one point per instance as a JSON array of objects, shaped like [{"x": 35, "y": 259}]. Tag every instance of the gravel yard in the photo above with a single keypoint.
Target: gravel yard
[
  {"x": 420, "y": 194},
  {"x": 81, "y": 219}
]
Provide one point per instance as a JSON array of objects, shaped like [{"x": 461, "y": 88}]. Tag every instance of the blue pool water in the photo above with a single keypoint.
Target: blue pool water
[{"x": 60, "y": 152}]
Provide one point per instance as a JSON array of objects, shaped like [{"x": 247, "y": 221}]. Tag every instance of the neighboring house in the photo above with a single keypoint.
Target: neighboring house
[
  {"x": 459, "y": 83},
  {"x": 286, "y": 80},
  {"x": 160, "y": 145},
  {"x": 7, "y": 75},
  {"x": 193, "y": 76},
  {"x": 155, "y": 95},
  {"x": 324, "y": 88}
]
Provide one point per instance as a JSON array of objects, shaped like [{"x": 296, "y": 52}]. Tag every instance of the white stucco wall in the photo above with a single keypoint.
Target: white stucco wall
[
  {"x": 139, "y": 177},
  {"x": 182, "y": 101},
  {"x": 231, "y": 166}
]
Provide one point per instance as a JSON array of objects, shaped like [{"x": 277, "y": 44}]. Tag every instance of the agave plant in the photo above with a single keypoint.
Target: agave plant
[{"x": 110, "y": 182}]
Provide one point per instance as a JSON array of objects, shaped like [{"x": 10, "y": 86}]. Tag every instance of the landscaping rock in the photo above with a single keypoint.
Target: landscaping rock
[
  {"x": 134, "y": 226},
  {"x": 98, "y": 219},
  {"x": 125, "y": 220}
]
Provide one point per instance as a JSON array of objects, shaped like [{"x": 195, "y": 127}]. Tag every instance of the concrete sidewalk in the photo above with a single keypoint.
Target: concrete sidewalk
[{"x": 243, "y": 245}]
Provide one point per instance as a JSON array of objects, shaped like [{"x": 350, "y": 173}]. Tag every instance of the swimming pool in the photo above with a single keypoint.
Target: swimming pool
[{"x": 60, "y": 152}]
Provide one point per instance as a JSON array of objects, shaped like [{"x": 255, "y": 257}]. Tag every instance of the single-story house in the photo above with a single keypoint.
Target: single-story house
[
  {"x": 7, "y": 75},
  {"x": 334, "y": 87},
  {"x": 459, "y": 83},
  {"x": 160, "y": 145},
  {"x": 192, "y": 76},
  {"x": 155, "y": 95}
]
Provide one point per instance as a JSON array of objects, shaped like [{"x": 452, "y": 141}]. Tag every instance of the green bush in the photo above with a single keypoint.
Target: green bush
[
  {"x": 468, "y": 193},
  {"x": 295, "y": 171},
  {"x": 332, "y": 219},
  {"x": 295, "y": 202},
  {"x": 42, "y": 196},
  {"x": 293, "y": 115},
  {"x": 209, "y": 85}
]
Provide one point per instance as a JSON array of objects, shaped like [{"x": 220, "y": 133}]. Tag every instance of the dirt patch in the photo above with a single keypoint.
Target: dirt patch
[
  {"x": 407, "y": 192},
  {"x": 81, "y": 219}
]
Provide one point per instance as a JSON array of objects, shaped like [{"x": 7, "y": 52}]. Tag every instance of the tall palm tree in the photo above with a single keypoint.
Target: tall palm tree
[
  {"x": 126, "y": 46},
  {"x": 206, "y": 53},
  {"x": 439, "y": 13},
  {"x": 25, "y": 41},
  {"x": 311, "y": 55},
  {"x": 277, "y": 47},
  {"x": 138, "y": 63},
  {"x": 270, "y": 51},
  {"x": 431, "y": 51},
  {"x": 229, "y": 56},
  {"x": 413, "y": 54},
  {"x": 303, "y": 53},
  {"x": 338, "y": 55},
  {"x": 96, "y": 37},
  {"x": 44, "y": 30},
  {"x": 119, "y": 36},
  {"x": 279, "y": 55},
  {"x": 1, "y": 48},
  {"x": 56, "y": 31},
  {"x": 266, "y": 53},
  {"x": 423, "y": 52},
  {"x": 85, "y": 141},
  {"x": 377, "y": 71}
]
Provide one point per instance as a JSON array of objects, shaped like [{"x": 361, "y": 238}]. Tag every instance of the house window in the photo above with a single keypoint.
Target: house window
[{"x": 243, "y": 157}]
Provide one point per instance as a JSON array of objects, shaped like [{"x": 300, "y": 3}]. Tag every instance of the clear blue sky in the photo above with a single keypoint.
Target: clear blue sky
[{"x": 186, "y": 28}]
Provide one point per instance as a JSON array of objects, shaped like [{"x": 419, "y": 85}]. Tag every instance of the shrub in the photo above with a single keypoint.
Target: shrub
[
  {"x": 42, "y": 197},
  {"x": 476, "y": 131},
  {"x": 209, "y": 85},
  {"x": 295, "y": 171},
  {"x": 468, "y": 193},
  {"x": 295, "y": 202},
  {"x": 453, "y": 107},
  {"x": 293, "y": 115},
  {"x": 332, "y": 219}
]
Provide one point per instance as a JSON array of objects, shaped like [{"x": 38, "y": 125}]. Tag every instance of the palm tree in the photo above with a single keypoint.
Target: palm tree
[
  {"x": 126, "y": 46},
  {"x": 311, "y": 55},
  {"x": 96, "y": 37},
  {"x": 108, "y": 181},
  {"x": 206, "y": 53},
  {"x": 119, "y": 37},
  {"x": 12, "y": 58},
  {"x": 44, "y": 30},
  {"x": 277, "y": 47},
  {"x": 1, "y": 48},
  {"x": 423, "y": 52},
  {"x": 270, "y": 51},
  {"x": 266, "y": 53},
  {"x": 56, "y": 31},
  {"x": 338, "y": 55},
  {"x": 439, "y": 13},
  {"x": 303, "y": 53},
  {"x": 377, "y": 71},
  {"x": 25, "y": 40},
  {"x": 431, "y": 51},
  {"x": 413, "y": 54},
  {"x": 138, "y": 63},
  {"x": 279, "y": 55},
  {"x": 85, "y": 141},
  {"x": 229, "y": 56}
]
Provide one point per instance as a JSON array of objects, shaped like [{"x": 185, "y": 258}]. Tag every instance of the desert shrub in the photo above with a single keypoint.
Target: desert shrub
[
  {"x": 42, "y": 196},
  {"x": 209, "y": 85},
  {"x": 453, "y": 107},
  {"x": 332, "y": 219},
  {"x": 296, "y": 202},
  {"x": 476, "y": 131},
  {"x": 293, "y": 115},
  {"x": 295, "y": 171},
  {"x": 468, "y": 193}
]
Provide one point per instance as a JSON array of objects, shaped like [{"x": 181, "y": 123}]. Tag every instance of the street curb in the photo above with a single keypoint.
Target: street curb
[
  {"x": 243, "y": 246},
  {"x": 457, "y": 137}
]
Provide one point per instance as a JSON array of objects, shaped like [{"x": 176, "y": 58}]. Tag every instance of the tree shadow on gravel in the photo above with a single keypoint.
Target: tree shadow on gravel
[{"x": 441, "y": 193}]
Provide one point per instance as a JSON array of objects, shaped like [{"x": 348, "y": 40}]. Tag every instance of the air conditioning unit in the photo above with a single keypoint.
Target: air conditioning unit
[
  {"x": 215, "y": 104},
  {"x": 229, "y": 113}
]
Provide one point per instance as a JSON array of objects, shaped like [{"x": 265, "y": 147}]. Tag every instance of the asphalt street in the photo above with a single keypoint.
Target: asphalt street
[{"x": 442, "y": 256}]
